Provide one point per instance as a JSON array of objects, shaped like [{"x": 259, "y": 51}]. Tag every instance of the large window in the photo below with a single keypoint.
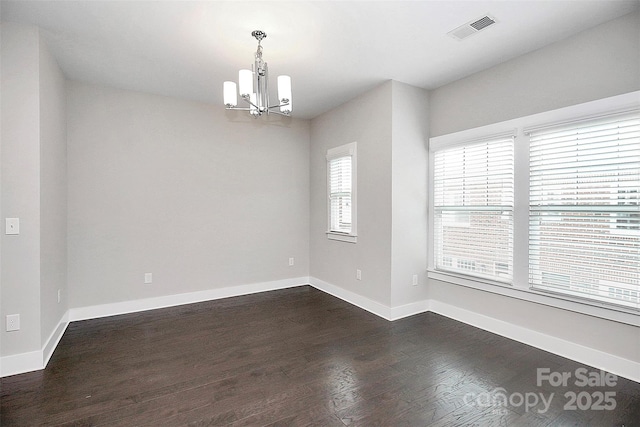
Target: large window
[
  {"x": 473, "y": 215},
  {"x": 551, "y": 215},
  {"x": 341, "y": 193},
  {"x": 584, "y": 220}
]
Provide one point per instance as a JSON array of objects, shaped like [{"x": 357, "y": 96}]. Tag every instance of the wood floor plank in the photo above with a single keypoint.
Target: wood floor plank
[{"x": 293, "y": 357}]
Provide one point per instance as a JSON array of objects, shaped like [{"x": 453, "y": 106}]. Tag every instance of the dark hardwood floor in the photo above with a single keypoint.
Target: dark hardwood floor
[{"x": 301, "y": 357}]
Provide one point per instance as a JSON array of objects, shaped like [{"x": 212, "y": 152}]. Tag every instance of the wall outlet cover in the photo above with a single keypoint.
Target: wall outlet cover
[
  {"x": 13, "y": 322},
  {"x": 12, "y": 225}
]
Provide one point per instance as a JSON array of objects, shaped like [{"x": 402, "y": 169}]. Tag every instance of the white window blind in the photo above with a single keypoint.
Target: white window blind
[
  {"x": 340, "y": 182},
  {"x": 473, "y": 209},
  {"x": 341, "y": 193},
  {"x": 584, "y": 210}
]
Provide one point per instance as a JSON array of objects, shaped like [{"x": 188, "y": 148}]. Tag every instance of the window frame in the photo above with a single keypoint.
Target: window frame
[
  {"x": 579, "y": 218},
  {"x": 465, "y": 208},
  {"x": 346, "y": 150},
  {"x": 520, "y": 288}
]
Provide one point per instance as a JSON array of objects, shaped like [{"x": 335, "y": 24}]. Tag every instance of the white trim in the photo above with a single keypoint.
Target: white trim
[
  {"x": 438, "y": 143},
  {"x": 342, "y": 151},
  {"x": 626, "y": 101},
  {"x": 21, "y": 363},
  {"x": 37, "y": 360},
  {"x": 609, "y": 362},
  {"x": 34, "y": 360},
  {"x": 617, "y": 365},
  {"x": 134, "y": 306},
  {"x": 578, "y": 120},
  {"x": 364, "y": 303},
  {"x": 411, "y": 309},
  {"x": 350, "y": 238},
  {"x": 55, "y": 337},
  {"x": 586, "y": 307}
]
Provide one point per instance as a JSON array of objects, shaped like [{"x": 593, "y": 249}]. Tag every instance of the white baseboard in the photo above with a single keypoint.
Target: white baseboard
[
  {"x": 589, "y": 356},
  {"x": 54, "y": 339},
  {"x": 611, "y": 363},
  {"x": 34, "y": 360},
  {"x": 124, "y": 307},
  {"x": 379, "y": 309},
  {"x": 21, "y": 363},
  {"x": 352, "y": 298},
  {"x": 411, "y": 309}
]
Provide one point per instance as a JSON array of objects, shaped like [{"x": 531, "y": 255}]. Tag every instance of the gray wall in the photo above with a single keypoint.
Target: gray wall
[
  {"x": 597, "y": 63},
  {"x": 200, "y": 197},
  {"x": 53, "y": 193},
  {"x": 33, "y": 189},
  {"x": 366, "y": 120},
  {"x": 610, "y": 337},
  {"x": 21, "y": 186},
  {"x": 390, "y": 125},
  {"x": 600, "y": 62},
  {"x": 410, "y": 134}
]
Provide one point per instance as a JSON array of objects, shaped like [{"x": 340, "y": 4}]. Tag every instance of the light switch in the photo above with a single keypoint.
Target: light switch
[{"x": 12, "y": 225}]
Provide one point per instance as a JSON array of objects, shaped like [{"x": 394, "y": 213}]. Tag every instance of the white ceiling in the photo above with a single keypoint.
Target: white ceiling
[{"x": 333, "y": 50}]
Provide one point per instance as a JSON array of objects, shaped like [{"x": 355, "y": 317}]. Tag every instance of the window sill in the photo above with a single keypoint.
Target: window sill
[
  {"x": 577, "y": 305},
  {"x": 342, "y": 237}
]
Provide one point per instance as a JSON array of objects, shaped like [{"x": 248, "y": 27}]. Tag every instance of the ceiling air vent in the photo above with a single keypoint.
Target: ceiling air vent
[{"x": 472, "y": 27}]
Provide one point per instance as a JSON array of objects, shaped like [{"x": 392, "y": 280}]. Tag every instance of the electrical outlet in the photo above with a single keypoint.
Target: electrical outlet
[
  {"x": 415, "y": 280},
  {"x": 59, "y": 295},
  {"x": 12, "y": 225},
  {"x": 358, "y": 274},
  {"x": 291, "y": 261},
  {"x": 13, "y": 322},
  {"x": 148, "y": 278}
]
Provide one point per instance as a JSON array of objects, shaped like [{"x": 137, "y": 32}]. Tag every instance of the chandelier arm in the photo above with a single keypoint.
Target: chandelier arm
[
  {"x": 268, "y": 111},
  {"x": 280, "y": 114},
  {"x": 251, "y": 103},
  {"x": 279, "y": 105}
]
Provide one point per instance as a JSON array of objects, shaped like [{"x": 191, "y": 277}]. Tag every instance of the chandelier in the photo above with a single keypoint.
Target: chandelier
[{"x": 253, "y": 87}]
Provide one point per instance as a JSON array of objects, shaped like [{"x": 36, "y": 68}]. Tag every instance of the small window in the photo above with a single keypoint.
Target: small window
[{"x": 341, "y": 193}]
